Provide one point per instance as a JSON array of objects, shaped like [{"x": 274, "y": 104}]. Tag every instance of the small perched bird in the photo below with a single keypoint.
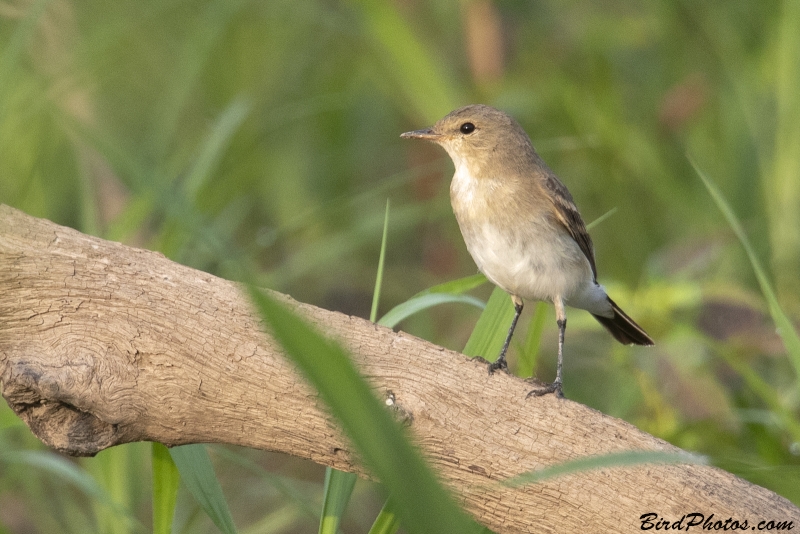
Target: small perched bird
[{"x": 521, "y": 225}]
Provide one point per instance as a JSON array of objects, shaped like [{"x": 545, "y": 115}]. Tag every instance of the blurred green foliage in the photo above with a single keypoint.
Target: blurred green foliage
[{"x": 268, "y": 132}]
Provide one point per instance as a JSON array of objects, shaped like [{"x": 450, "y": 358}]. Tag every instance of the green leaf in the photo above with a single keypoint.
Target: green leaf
[
  {"x": 786, "y": 331},
  {"x": 111, "y": 468},
  {"x": 421, "y": 503},
  {"x": 617, "y": 459},
  {"x": 492, "y": 327},
  {"x": 72, "y": 474},
  {"x": 376, "y": 294},
  {"x": 295, "y": 497},
  {"x": 339, "y": 485},
  {"x": 338, "y": 488},
  {"x": 527, "y": 357},
  {"x": 602, "y": 218},
  {"x": 387, "y": 521},
  {"x": 423, "y": 302},
  {"x": 198, "y": 476},
  {"x": 165, "y": 488},
  {"x": 456, "y": 287},
  {"x": 448, "y": 292}
]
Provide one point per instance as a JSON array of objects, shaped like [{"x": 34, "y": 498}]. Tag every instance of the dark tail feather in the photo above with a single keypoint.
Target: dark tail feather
[{"x": 623, "y": 328}]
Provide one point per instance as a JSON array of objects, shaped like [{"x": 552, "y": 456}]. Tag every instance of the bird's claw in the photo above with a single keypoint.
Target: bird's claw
[
  {"x": 555, "y": 387},
  {"x": 498, "y": 364}
]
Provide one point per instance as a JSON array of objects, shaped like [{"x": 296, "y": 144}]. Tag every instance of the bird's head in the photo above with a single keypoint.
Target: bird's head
[{"x": 477, "y": 134}]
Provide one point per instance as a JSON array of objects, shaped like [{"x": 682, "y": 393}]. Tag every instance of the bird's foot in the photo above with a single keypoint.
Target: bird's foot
[
  {"x": 481, "y": 359},
  {"x": 555, "y": 387},
  {"x": 498, "y": 364}
]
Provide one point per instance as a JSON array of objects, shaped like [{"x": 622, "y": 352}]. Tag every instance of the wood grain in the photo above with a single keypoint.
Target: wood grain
[{"x": 102, "y": 344}]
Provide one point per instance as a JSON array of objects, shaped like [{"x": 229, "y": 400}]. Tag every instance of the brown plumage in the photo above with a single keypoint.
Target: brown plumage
[{"x": 521, "y": 225}]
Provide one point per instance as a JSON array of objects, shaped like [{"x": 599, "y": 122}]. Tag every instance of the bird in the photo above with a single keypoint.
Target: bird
[{"x": 521, "y": 226}]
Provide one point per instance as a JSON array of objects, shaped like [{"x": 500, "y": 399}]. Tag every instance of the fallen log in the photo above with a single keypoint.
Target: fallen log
[{"x": 103, "y": 344}]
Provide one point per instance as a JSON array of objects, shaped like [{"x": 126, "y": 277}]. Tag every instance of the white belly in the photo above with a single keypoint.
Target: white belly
[
  {"x": 532, "y": 266},
  {"x": 528, "y": 257}
]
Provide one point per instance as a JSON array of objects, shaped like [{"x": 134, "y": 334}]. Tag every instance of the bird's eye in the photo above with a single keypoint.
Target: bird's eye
[{"x": 467, "y": 128}]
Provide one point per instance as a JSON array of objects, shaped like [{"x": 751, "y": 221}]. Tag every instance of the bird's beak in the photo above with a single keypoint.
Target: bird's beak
[{"x": 427, "y": 133}]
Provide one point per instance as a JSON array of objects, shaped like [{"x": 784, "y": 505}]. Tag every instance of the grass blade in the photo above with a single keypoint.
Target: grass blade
[
  {"x": 785, "y": 329},
  {"x": 448, "y": 292},
  {"x": 338, "y": 489},
  {"x": 338, "y": 484},
  {"x": 295, "y": 497},
  {"x": 766, "y": 392},
  {"x": 214, "y": 146},
  {"x": 111, "y": 468},
  {"x": 165, "y": 488},
  {"x": 527, "y": 357},
  {"x": 69, "y": 472},
  {"x": 617, "y": 459},
  {"x": 198, "y": 476},
  {"x": 423, "y": 302},
  {"x": 456, "y": 287},
  {"x": 492, "y": 326},
  {"x": 602, "y": 218},
  {"x": 421, "y": 503},
  {"x": 376, "y": 294},
  {"x": 387, "y": 521},
  {"x": 782, "y": 187}
]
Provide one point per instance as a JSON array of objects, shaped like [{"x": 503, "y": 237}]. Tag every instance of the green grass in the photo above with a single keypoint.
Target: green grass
[
  {"x": 422, "y": 504},
  {"x": 338, "y": 484},
  {"x": 197, "y": 473},
  {"x": 165, "y": 488},
  {"x": 784, "y": 327},
  {"x": 620, "y": 459},
  {"x": 265, "y": 135}
]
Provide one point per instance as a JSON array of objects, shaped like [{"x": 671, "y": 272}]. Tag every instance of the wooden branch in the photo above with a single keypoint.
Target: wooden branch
[{"x": 102, "y": 344}]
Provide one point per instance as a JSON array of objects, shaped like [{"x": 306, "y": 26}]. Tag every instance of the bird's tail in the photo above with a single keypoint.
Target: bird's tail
[{"x": 623, "y": 328}]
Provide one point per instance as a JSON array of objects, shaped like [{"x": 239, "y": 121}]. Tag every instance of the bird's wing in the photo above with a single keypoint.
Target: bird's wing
[{"x": 568, "y": 215}]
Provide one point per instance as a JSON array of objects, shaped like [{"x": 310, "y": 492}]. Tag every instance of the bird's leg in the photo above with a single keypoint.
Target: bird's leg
[
  {"x": 561, "y": 321},
  {"x": 500, "y": 362},
  {"x": 562, "y": 328}
]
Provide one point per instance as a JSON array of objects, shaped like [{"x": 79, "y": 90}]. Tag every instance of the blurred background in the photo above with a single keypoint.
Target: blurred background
[{"x": 270, "y": 130}]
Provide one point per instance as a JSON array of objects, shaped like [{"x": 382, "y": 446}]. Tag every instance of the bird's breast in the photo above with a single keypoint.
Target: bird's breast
[
  {"x": 465, "y": 189},
  {"x": 515, "y": 241},
  {"x": 483, "y": 202}
]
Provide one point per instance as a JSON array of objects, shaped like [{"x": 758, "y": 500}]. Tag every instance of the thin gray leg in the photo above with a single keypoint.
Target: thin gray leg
[
  {"x": 561, "y": 321},
  {"x": 500, "y": 362}
]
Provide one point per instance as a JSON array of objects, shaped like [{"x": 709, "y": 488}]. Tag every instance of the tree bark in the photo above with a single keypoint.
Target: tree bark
[{"x": 102, "y": 344}]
